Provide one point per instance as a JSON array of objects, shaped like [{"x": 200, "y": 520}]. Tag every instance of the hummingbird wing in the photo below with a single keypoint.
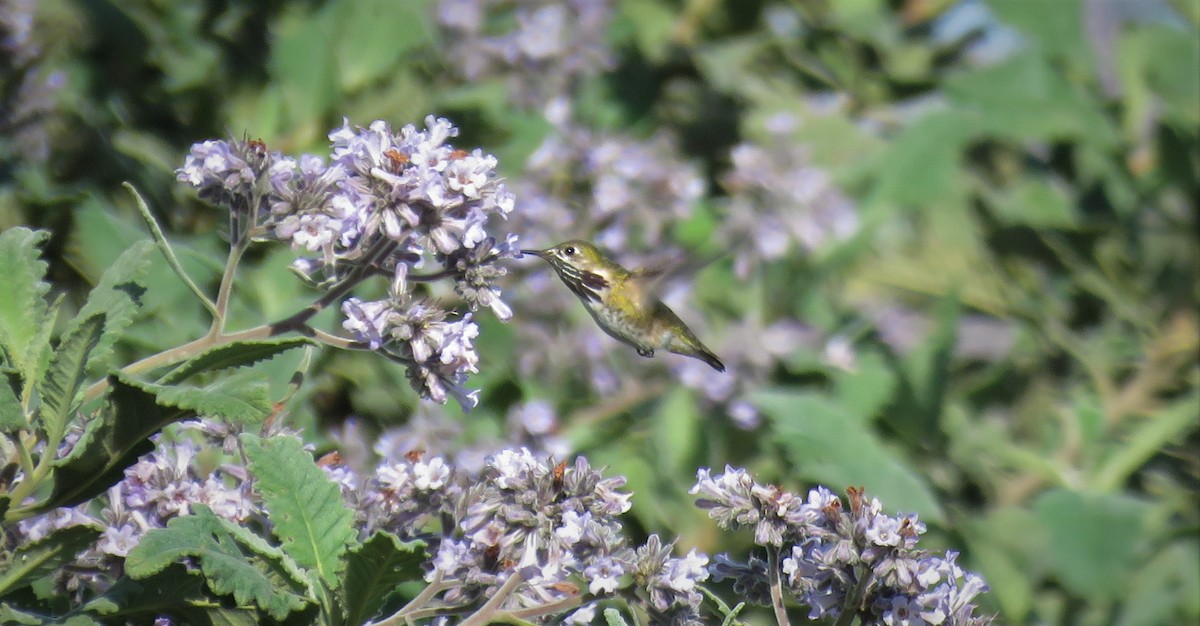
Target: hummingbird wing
[{"x": 651, "y": 277}]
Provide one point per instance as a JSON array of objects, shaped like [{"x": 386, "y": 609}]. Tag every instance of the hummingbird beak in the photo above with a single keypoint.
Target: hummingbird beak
[{"x": 537, "y": 253}]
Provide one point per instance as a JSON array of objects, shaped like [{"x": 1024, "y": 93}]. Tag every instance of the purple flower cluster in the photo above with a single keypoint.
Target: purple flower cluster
[
  {"x": 554, "y": 527},
  {"x": 541, "y": 48},
  {"x": 837, "y": 559},
  {"x": 779, "y": 202},
  {"x": 390, "y": 203}
]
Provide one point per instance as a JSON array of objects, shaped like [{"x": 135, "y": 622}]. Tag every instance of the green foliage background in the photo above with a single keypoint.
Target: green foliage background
[{"x": 1033, "y": 192}]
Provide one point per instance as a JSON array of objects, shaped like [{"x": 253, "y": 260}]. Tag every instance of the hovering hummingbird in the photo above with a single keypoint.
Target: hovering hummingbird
[{"x": 622, "y": 302}]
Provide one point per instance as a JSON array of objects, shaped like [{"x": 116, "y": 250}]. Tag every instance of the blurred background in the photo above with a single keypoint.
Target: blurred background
[{"x": 947, "y": 248}]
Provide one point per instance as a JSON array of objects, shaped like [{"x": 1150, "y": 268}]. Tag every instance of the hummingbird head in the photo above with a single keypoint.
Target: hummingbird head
[{"x": 582, "y": 266}]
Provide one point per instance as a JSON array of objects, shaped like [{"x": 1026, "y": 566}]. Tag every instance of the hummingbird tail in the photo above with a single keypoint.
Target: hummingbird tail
[{"x": 711, "y": 359}]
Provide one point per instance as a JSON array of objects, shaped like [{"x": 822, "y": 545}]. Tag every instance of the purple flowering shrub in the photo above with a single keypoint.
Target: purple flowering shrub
[
  {"x": 160, "y": 479},
  {"x": 523, "y": 538}
]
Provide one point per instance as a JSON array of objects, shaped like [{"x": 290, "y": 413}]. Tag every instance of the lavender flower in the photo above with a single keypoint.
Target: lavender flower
[{"x": 831, "y": 554}]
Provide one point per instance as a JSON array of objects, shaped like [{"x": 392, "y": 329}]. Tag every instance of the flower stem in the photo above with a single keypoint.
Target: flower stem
[
  {"x": 226, "y": 288},
  {"x": 781, "y": 616},
  {"x": 164, "y": 247},
  {"x": 854, "y": 600},
  {"x": 488, "y": 611}
]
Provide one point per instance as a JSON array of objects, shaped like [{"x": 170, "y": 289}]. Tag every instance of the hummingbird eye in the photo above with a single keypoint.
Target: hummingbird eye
[{"x": 569, "y": 250}]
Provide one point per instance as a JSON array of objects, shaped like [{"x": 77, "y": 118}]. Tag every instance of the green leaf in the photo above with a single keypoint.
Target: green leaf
[
  {"x": 1167, "y": 588},
  {"x": 1094, "y": 538},
  {"x": 174, "y": 592},
  {"x": 612, "y": 617},
  {"x": 12, "y": 415},
  {"x": 109, "y": 444},
  {"x": 118, "y": 296},
  {"x": 677, "y": 426},
  {"x": 1056, "y": 27},
  {"x": 67, "y": 373},
  {"x": 237, "y": 354},
  {"x": 1036, "y": 203},
  {"x": 302, "y": 65},
  {"x": 838, "y": 452},
  {"x": 16, "y": 617},
  {"x": 927, "y": 371},
  {"x": 22, "y": 292},
  {"x": 40, "y": 360},
  {"x": 171, "y": 315},
  {"x": 368, "y": 47},
  {"x": 311, "y": 520},
  {"x": 922, "y": 166},
  {"x": 45, "y": 556},
  {"x": 867, "y": 389},
  {"x": 229, "y": 568},
  {"x": 243, "y": 398},
  {"x": 1003, "y": 95},
  {"x": 375, "y": 569},
  {"x": 653, "y": 24}
]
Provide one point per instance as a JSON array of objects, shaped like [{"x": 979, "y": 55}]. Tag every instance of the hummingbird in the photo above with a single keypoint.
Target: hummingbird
[{"x": 622, "y": 302}]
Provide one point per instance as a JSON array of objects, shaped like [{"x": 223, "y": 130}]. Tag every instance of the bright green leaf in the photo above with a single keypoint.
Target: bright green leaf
[
  {"x": 311, "y": 520},
  {"x": 302, "y": 65},
  {"x": 16, "y": 617},
  {"x": 613, "y": 617},
  {"x": 923, "y": 164},
  {"x": 677, "y": 426},
  {"x": 368, "y": 46},
  {"x": 1094, "y": 538},
  {"x": 1057, "y": 26},
  {"x": 1166, "y": 590},
  {"x": 837, "y": 452},
  {"x": 1036, "y": 203},
  {"x": 22, "y": 307},
  {"x": 867, "y": 389},
  {"x": 1027, "y": 98}
]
